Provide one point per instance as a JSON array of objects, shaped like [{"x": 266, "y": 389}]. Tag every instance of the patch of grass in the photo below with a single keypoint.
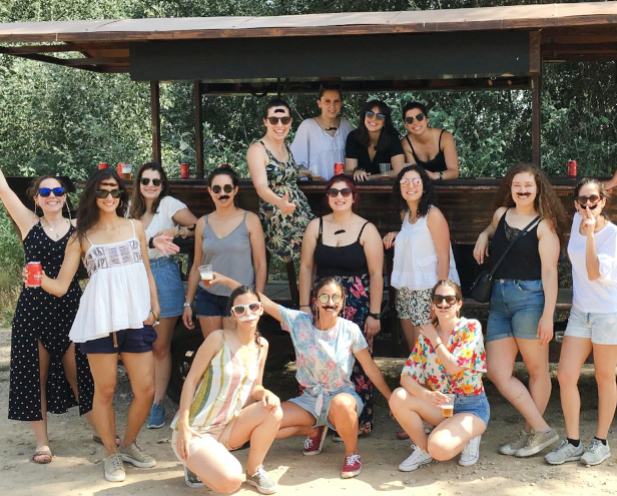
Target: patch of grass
[{"x": 11, "y": 264}]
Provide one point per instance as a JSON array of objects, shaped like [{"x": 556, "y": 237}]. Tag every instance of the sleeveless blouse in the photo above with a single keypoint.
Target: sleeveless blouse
[
  {"x": 415, "y": 257},
  {"x": 222, "y": 392},
  {"x": 117, "y": 296}
]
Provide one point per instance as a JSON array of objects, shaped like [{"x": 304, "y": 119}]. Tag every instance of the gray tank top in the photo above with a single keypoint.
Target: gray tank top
[{"x": 231, "y": 256}]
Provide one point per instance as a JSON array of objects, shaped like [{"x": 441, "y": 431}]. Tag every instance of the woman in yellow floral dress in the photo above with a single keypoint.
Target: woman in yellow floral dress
[
  {"x": 283, "y": 208},
  {"x": 448, "y": 358}
]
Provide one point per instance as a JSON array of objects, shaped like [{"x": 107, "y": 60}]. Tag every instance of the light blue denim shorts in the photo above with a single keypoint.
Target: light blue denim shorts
[
  {"x": 601, "y": 328},
  {"x": 308, "y": 402},
  {"x": 168, "y": 286},
  {"x": 516, "y": 308},
  {"x": 477, "y": 405}
]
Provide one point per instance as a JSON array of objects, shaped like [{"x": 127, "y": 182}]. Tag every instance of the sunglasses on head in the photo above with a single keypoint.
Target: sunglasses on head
[
  {"x": 449, "y": 299},
  {"x": 416, "y": 181},
  {"x": 104, "y": 193},
  {"x": 275, "y": 120},
  {"x": 582, "y": 199},
  {"x": 420, "y": 117},
  {"x": 57, "y": 191},
  {"x": 227, "y": 188},
  {"x": 325, "y": 298},
  {"x": 240, "y": 310},
  {"x": 146, "y": 180},
  {"x": 333, "y": 192},
  {"x": 379, "y": 116}
]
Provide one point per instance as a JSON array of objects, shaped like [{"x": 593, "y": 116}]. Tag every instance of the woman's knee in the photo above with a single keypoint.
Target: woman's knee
[
  {"x": 160, "y": 351},
  {"x": 605, "y": 379},
  {"x": 398, "y": 399},
  {"x": 567, "y": 377},
  {"x": 343, "y": 404},
  {"x": 227, "y": 483},
  {"x": 440, "y": 446},
  {"x": 105, "y": 392}
]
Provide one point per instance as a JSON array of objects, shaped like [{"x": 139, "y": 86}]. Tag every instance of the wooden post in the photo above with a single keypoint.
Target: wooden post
[
  {"x": 199, "y": 131},
  {"x": 155, "y": 106},
  {"x": 535, "y": 68}
]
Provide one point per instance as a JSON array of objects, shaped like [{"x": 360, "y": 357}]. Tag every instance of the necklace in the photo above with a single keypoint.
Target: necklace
[{"x": 51, "y": 229}]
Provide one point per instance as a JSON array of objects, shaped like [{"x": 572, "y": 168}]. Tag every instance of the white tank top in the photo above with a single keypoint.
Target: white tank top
[
  {"x": 117, "y": 296},
  {"x": 415, "y": 258}
]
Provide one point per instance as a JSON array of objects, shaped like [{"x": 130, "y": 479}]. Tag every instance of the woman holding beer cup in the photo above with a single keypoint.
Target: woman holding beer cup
[
  {"x": 231, "y": 241},
  {"x": 442, "y": 385}
]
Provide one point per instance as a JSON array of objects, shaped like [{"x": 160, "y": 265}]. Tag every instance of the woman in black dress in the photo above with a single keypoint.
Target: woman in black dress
[{"x": 48, "y": 374}]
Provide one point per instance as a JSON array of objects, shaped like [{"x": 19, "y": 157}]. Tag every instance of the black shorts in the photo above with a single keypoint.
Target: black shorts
[{"x": 126, "y": 341}]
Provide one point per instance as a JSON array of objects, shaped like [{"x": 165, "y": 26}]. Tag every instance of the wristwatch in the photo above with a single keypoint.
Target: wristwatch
[
  {"x": 186, "y": 304},
  {"x": 376, "y": 316},
  {"x": 440, "y": 175},
  {"x": 181, "y": 232}
]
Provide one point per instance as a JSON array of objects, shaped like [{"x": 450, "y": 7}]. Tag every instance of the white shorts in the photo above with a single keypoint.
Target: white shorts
[{"x": 601, "y": 328}]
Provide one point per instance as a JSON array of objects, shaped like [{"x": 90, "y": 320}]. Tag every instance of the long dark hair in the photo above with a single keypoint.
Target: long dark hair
[
  {"x": 239, "y": 291},
  {"x": 429, "y": 197},
  {"x": 33, "y": 191},
  {"x": 600, "y": 185},
  {"x": 387, "y": 132},
  {"x": 88, "y": 212},
  {"x": 342, "y": 178},
  {"x": 138, "y": 204},
  {"x": 320, "y": 283},
  {"x": 546, "y": 203}
]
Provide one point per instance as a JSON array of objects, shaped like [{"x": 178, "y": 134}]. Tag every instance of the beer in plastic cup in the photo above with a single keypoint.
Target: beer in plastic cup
[
  {"x": 206, "y": 273},
  {"x": 126, "y": 171},
  {"x": 447, "y": 410},
  {"x": 384, "y": 169}
]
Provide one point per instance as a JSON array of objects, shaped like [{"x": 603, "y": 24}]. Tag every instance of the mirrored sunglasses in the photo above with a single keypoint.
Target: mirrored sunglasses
[
  {"x": 416, "y": 181},
  {"x": 325, "y": 298},
  {"x": 58, "y": 191}
]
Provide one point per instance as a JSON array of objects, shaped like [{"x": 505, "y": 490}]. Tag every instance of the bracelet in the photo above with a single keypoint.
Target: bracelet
[
  {"x": 440, "y": 175},
  {"x": 151, "y": 243},
  {"x": 156, "y": 317},
  {"x": 440, "y": 344}
]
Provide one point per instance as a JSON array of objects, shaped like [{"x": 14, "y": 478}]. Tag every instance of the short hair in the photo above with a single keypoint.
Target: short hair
[
  {"x": 276, "y": 102},
  {"x": 415, "y": 105}
]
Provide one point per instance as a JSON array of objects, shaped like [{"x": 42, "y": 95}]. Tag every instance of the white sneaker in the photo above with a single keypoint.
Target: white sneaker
[
  {"x": 471, "y": 452},
  {"x": 418, "y": 458},
  {"x": 596, "y": 453}
]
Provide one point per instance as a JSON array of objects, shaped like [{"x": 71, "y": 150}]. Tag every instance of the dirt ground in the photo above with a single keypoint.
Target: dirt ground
[{"x": 76, "y": 468}]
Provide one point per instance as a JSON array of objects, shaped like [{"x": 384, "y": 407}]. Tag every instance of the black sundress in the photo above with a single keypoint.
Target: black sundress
[{"x": 42, "y": 316}]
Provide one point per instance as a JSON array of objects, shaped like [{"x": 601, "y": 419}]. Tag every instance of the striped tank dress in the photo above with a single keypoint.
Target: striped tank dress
[{"x": 222, "y": 392}]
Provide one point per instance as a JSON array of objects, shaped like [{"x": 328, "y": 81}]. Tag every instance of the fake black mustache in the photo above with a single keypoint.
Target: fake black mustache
[
  {"x": 329, "y": 307},
  {"x": 224, "y": 197},
  {"x": 523, "y": 194}
]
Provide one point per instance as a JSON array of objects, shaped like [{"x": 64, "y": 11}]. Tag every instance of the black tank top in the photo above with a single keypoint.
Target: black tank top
[
  {"x": 344, "y": 261},
  {"x": 437, "y": 163},
  {"x": 523, "y": 260}
]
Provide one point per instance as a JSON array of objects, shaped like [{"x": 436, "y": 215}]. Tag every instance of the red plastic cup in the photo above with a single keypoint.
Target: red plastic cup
[{"x": 184, "y": 171}]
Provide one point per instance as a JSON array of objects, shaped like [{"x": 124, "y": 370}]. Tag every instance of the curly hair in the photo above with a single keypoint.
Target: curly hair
[
  {"x": 138, "y": 204},
  {"x": 429, "y": 197},
  {"x": 546, "y": 203}
]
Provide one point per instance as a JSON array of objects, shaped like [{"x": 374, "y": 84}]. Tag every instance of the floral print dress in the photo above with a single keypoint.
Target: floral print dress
[
  {"x": 284, "y": 233},
  {"x": 466, "y": 343}
]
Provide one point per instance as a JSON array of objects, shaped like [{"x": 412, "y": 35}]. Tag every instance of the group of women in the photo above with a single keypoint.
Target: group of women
[{"x": 64, "y": 343}]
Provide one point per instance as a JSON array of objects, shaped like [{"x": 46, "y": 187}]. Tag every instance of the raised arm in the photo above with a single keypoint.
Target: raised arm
[
  {"x": 258, "y": 251},
  {"x": 23, "y": 217},
  {"x": 440, "y": 232},
  {"x": 70, "y": 264},
  {"x": 307, "y": 264}
]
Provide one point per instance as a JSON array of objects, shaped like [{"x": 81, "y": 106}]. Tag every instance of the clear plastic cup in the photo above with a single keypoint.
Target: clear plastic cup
[
  {"x": 385, "y": 169},
  {"x": 206, "y": 273},
  {"x": 447, "y": 410}
]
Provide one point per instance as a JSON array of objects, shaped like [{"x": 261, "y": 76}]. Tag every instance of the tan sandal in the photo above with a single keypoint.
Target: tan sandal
[{"x": 42, "y": 453}]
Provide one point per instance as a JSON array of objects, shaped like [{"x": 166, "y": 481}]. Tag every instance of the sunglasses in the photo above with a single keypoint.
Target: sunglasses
[
  {"x": 275, "y": 120},
  {"x": 582, "y": 200},
  {"x": 449, "y": 299},
  {"x": 58, "y": 191},
  {"x": 379, "y": 116},
  {"x": 227, "y": 188},
  {"x": 240, "y": 310},
  {"x": 420, "y": 117},
  {"x": 104, "y": 193},
  {"x": 333, "y": 192},
  {"x": 146, "y": 180},
  {"x": 325, "y": 298},
  {"x": 416, "y": 181}
]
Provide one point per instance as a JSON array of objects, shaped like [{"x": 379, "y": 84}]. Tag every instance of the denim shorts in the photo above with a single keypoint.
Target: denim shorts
[
  {"x": 516, "y": 308},
  {"x": 168, "y": 286},
  {"x": 601, "y": 328},
  {"x": 126, "y": 341},
  {"x": 210, "y": 305},
  {"x": 477, "y": 405},
  {"x": 308, "y": 402}
]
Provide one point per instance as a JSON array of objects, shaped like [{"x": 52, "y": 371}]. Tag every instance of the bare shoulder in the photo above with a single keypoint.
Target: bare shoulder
[{"x": 499, "y": 213}]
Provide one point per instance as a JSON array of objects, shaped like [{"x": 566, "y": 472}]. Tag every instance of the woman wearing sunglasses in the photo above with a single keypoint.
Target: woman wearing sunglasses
[
  {"x": 591, "y": 326},
  {"x": 232, "y": 241},
  {"x": 48, "y": 373},
  {"x": 373, "y": 143},
  {"x": 320, "y": 141},
  {"x": 224, "y": 404},
  {"x": 344, "y": 245},
  {"x": 283, "y": 209},
  {"x": 429, "y": 147},
  {"x": 523, "y": 298},
  {"x": 116, "y": 313},
  {"x": 161, "y": 214},
  {"x": 326, "y": 346},
  {"x": 448, "y": 358}
]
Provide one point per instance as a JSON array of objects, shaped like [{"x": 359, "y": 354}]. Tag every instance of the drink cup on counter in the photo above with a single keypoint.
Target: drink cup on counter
[
  {"x": 126, "y": 171},
  {"x": 384, "y": 169},
  {"x": 102, "y": 165},
  {"x": 206, "y": 273},
  {"x": 339, "y": 168},
  {"x": 35, "y": 274},
  {"x": 184, "y": 171},
  {"x": 447, "y": 410}
]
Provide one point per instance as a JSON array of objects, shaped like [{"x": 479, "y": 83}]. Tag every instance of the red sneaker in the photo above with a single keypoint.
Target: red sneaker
[
  {"x": 352, "y": 467},
  {"x": 313, "y": 445}
]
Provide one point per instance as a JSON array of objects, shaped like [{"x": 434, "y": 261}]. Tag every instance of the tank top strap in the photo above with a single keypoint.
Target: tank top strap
[
  {"x": 206, "y": 220},
  {"x": 320, "y": 235},
  {"x": 246, "y": 214},
  {"x": 409, "y": 141},
  {"x": 133, "y": 226},
  {"x": 266, "y": 149},
  {"x": 439, "y": 143},
  {"x": 362, "y": 230}
]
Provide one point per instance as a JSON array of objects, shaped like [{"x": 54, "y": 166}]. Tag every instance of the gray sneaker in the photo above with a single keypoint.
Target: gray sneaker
[
  {"x": 113, "y": 468},
  {"x": 596, "y": 453},
  {"x": 565, "y": 452},
  {"x": 516, "y": 444},
  {"x": 135, "y": 455},
  {"x": 536, "y": 442},
  {"x": 261, "y": 481}
]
